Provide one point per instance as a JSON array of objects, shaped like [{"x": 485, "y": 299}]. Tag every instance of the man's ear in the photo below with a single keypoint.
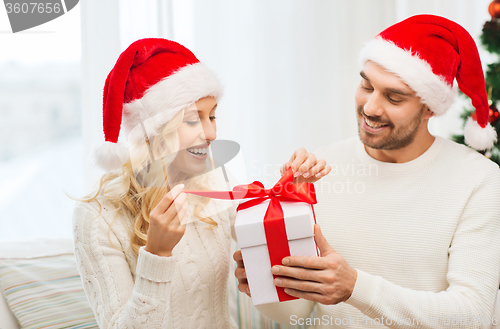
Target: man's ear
[{"x": 428, "y": 113}]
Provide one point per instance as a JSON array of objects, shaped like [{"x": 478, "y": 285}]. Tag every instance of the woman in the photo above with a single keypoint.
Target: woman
[{"x": 141, "y": 265}]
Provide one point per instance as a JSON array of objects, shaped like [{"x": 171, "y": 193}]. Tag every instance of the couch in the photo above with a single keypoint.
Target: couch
[{"x": 44, "y": 289}]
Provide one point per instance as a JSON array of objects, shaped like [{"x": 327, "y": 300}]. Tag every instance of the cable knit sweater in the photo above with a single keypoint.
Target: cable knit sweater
[
  {"x": 186, "y": 290},
  {"x": 424, "y": 237}
]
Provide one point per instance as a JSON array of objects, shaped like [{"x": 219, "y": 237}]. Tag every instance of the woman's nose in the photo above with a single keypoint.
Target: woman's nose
[{"x": 209, "y": 131}]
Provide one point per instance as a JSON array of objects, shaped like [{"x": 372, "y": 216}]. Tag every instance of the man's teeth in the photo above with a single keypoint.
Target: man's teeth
[
  {"x": 372, "y": 124},
  {"x": 198, "y": 151}
]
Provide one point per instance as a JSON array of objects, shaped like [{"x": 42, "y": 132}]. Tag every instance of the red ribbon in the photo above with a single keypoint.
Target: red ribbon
[{"x": 274, "y": 221}]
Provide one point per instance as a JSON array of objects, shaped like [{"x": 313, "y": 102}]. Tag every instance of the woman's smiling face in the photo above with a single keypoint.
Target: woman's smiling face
[{"x": 197, "y": 130}]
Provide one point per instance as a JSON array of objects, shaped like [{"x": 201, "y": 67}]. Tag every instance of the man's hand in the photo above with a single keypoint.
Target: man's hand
[
  {"x": 327, "y": 279},
  {"x": 306, "y": 166},
  {"x": 240, "y": 273}
]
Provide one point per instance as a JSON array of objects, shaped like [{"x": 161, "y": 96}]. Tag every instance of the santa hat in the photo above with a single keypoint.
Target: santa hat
[
  {"x": 428, "y": 52},
  {"x": 152, "y": 80}
]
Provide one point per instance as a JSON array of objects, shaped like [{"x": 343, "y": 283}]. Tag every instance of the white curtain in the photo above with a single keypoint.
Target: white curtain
[{"x": 289, "y": 66}]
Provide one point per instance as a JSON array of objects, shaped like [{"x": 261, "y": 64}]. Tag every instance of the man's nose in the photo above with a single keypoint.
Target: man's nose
[{"x": 373, "y": 107}]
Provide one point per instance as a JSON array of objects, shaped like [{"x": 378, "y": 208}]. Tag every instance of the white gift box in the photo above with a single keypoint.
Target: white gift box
[{"x": 250, "y": 232}]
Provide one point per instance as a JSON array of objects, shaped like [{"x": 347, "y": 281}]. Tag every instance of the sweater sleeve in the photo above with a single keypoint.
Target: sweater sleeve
[
  {"x": 118, "y": 301},
  {"x": 473, "y": 274}
]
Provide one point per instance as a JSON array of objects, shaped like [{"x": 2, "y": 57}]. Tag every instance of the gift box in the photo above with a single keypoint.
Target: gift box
[
  {"x": 274, "y": 224},
  {"x": 297, "y": 225}
]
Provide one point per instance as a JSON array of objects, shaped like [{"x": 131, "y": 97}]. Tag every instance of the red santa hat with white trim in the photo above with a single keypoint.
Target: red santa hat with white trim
[
  {"x": 428, "y": 53},
  {"x": 152, "y": 79}
]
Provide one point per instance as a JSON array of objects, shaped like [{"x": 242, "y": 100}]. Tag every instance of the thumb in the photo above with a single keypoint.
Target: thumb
[
  {"x": 323, "y": 245},
  {"x": 284, "y": 168}
]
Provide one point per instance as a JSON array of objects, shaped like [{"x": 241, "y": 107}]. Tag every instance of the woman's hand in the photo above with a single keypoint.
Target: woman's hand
[
  {"x": 240, "y": 273},
  {"x": 167, "y": 222},
  {"x": 306, "y": 167}
]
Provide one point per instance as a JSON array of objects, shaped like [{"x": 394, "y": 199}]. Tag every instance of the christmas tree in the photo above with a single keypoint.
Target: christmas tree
[{"x": 490, "y": 39}]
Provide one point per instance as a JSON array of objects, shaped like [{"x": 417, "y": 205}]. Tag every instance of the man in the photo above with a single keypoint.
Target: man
[{"x": 411, "y": 222}]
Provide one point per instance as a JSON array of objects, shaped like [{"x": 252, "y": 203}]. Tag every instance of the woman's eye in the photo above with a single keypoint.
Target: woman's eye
[
  {"x": 212, "y": 118},
  {"x": 192, "y": 123}
]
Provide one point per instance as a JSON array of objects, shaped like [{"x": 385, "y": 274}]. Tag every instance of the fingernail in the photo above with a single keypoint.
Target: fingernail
[
  {"x": 296, "y": 174},
  {"x": 318, "y": 175},
  {"x": 306, "y": 175},
  {"x": 277, "y": 282},
  {"x": 285, "y": 261},
  {"x": 181, "y": 185},
  {"x": 275, "y": 270}
]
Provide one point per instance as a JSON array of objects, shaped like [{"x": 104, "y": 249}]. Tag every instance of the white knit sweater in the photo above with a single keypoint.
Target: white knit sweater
[
  {"x": 187, "y": 290},
  {"x": 424, "y": 237}
]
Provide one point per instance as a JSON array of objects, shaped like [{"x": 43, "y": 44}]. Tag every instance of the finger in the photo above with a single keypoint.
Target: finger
[
  {"x": 240, "y": 264},
  {"x": 324, "y": 172},
  {"x": 237, "y": 256},
  {"x": 239, "y": 259},
  {"x": 284, "y": 168},
  {"x": 183, "y": 207},
  {"x": 294, "y": 155},
  {"x": 306, "y": 262},
  {"x": 298, "y": 273},
  {"x": 175, "y": 206},
  {"x": 178, "y": 223},
  {"x": 244, "y": 288},
  {"x": 167, "y": 200},
  {"x": 306, "y": 286},
  {"x": 300, "y": 152},
  {"x": 299, "y": 160},
  {"x": 320, "y": 165},
  {"x": 321, "y": 242},
  {"x": 308, "y": 163},
  {"x": 175, "y": 216},
  {"x": 183, "y": 214},
  {"x": 240, "y": 273},
  {"x": 184, "y": 219},
  {"x": 313, "y": 296}
]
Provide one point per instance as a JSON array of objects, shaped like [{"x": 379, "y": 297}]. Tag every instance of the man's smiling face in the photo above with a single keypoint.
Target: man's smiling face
[{"x": 389, "y": 113}]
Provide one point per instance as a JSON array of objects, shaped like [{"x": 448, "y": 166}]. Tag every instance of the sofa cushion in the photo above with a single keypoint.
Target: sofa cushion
[{"x": 42, "y": 285}]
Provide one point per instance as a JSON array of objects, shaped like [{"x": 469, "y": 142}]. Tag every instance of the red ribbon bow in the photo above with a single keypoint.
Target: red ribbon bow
[{"x": 274, "y": 222}]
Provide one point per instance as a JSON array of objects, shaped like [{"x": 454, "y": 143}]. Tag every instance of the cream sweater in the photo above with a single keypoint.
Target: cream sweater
[
  {"x": 187, "y": 290},
  {"x": 424, "y": 237}
]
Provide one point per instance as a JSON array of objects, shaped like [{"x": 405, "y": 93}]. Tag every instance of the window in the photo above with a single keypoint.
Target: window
[{"x": 40, "y": 128}]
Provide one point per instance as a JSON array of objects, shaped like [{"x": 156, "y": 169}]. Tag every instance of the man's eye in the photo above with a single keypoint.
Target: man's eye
[
  {"x": 392, "y": 100},
  {"x": 366, "y": 87}
]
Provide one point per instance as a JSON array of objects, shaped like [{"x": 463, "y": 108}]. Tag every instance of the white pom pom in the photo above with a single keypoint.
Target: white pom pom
[
  {"x": 111, "y": 156},
  {"x": 477, "y": 137}
]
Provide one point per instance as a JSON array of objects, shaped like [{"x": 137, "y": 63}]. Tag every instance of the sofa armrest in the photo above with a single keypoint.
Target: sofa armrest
[
  {"x": 495, "y": 317},
  {"x": 7, "y": 319}
]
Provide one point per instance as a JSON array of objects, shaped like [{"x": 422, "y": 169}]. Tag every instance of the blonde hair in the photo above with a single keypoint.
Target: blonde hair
[{"x": 123, "y": 190}]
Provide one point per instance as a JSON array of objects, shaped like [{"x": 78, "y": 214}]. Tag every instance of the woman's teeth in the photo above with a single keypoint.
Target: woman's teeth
[
  {"x": 198, "y": 151},
  {"x": 373, "y": 124}
]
